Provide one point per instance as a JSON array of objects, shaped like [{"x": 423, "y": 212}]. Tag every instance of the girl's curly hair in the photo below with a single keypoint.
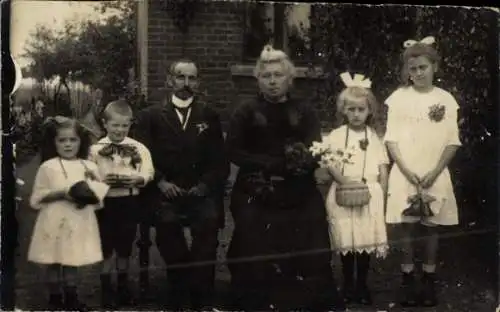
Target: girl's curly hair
[{"x": 49, "y": 132}]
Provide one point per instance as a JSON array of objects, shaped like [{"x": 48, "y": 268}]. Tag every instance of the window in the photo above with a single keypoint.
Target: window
[{"x": 283, "y": 25}]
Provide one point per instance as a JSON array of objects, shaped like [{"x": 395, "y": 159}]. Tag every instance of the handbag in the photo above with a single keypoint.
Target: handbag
[
  {"x": 419, "y": 205},
  {"x": 353, "y": 194}
]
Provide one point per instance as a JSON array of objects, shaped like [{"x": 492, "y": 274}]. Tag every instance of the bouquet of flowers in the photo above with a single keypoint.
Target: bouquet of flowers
[
  {"x": 298, "y": 159},
  {"x": 128, "y": 153},
  {"x": 125, "y": 159},
  {"x": 331, "y": 157}
]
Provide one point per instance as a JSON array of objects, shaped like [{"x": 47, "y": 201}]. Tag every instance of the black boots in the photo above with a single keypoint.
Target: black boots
[
  {"x": 357, "y": 292},
  {"x": 107, "y": 292},
  {"x": 71, "y": 302},
  {"x": 111, "y": 298},
  {"x": 124, "y": 295},
  {"x": 428, "y": 294},
  {"x": 411, "y": 297},
  {"x": 56, "y": 302},
  {"x": 408, "y": 290}
]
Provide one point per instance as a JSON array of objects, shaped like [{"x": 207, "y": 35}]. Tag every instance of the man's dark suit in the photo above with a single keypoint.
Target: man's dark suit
[{"x": 186, "y": 158}]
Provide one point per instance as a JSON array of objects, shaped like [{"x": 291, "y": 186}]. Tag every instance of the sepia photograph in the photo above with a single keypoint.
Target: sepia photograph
[{"x": 209, "y": 155}]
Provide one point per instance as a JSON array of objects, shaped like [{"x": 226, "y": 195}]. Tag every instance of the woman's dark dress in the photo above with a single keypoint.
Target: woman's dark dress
[{"x": 299, "y": 275}]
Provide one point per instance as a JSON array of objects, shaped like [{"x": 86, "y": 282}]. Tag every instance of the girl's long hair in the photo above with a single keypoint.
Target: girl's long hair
[
  {"x": 49, "y": 132},
  {"x": 374, "y": 120}
]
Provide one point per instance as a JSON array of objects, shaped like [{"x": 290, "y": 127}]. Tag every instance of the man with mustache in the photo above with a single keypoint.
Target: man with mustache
[{"x": 187, "y": 147}]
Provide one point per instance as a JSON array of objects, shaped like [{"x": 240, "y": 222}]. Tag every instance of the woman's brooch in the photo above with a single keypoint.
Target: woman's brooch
[{"x": 436, "y": 112}]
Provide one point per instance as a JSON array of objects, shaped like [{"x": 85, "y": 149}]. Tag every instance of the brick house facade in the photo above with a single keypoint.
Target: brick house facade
[{"x": 214, "y": 40}]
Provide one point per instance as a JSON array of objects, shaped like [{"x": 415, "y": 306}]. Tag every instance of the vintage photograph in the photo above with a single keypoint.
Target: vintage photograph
[{"x": 206, "y": 155}]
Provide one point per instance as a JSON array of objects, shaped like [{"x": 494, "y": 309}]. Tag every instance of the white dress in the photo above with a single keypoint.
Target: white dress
[
  {"x": 64, "y": 234},
  {"x": 421, "y": 142},
  {"x": 359, "y": 229}
]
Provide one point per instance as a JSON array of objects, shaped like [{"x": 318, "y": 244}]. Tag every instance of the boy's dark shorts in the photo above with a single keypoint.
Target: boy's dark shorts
[{"x": 118, "y": 225}]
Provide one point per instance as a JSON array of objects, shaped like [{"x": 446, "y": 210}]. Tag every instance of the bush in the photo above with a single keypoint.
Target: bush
[{"x": 369, "y": 40}]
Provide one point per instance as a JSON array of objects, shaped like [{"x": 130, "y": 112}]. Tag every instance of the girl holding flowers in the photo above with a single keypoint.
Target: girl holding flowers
[
  {"x": 422, "y": 138},
  {"x": 356, "y": 158}
]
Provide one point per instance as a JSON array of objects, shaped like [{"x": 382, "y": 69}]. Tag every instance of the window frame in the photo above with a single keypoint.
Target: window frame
[{"x": 280, "y": 41}]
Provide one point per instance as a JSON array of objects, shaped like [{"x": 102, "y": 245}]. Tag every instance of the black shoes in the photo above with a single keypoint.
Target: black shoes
[{"x": 427, "y": 295}]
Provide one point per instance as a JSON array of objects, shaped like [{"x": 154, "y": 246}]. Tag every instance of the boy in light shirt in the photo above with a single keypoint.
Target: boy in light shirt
[{"x": 126, "y": 166}]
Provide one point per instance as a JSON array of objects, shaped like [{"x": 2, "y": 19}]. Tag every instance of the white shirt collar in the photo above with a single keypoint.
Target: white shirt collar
[
  {"x": 106, "y": 140},
  {"x": 181, "y": 103}
]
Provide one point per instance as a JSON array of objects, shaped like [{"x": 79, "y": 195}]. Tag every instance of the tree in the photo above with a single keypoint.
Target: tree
[{"x": 98, "y": 53}]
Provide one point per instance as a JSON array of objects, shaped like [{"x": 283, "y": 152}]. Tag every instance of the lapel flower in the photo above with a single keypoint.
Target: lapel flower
[
  {"x": 436, "y": 112},
  {"x": 363, "y": 144},
  {"x": 201, "y": 127}
]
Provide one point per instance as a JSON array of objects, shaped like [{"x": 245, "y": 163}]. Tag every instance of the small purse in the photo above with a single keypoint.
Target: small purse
[
  {"x": 353, "y": 194},
  {"x": 419, "y": 205}
]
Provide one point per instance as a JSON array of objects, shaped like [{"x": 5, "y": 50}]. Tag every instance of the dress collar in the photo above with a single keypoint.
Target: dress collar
[{"x": 177, "y": 102}]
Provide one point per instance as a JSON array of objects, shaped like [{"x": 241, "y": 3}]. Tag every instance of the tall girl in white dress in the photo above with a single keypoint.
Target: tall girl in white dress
[
  {"x": 66, "y": 234},
  {"x": 358, "y": 232},
  {"x": 422, "y": 137}
]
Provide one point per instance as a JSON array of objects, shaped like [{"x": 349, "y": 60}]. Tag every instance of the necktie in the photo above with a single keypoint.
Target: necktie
[{"x": 184, "y": 111}]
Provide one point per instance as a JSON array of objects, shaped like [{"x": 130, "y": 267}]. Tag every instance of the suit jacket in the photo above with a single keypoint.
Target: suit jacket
[{"x": 184, "y": 157}]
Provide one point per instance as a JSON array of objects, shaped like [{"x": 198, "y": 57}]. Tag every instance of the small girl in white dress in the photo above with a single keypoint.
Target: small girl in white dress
[
  {"x": 360, "y": 231},
  {"x": 422, "y": 137},
  {"x": 66, "y": 234}
]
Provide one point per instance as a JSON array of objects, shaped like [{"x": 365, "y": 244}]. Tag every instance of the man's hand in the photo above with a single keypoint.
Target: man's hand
[
  {"x": 198, "y": 190},
  {"x": 170, "y": 190}
]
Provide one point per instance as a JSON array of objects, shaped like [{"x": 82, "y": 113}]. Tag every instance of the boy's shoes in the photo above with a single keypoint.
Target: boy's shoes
[
  {"x": 363, "y": 295},
  {"x": 428, "y": 295},
  {"x": 348, "y": 293},
  {"x": 107, "y": 293},
  {"x": 408, "y": 290},
  {"x": 56, "y": 302},
  {"x": 71, "y": 302}
]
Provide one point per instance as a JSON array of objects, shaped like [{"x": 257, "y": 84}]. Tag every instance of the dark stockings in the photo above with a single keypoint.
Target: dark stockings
[{"x": 355, "y": 268}]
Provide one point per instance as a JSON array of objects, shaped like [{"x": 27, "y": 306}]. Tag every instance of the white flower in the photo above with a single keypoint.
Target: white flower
[{"x": 202, "y": 127}]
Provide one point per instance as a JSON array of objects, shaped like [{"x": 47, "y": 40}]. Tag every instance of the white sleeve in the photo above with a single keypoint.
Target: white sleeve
[
  {"x": 42, "y": 187},
  {"x": 383, "y": 158},
  {"x": 99, "y": 188},
  {"x": 394, "y": 118},
  {"x": 451, "y": 119}
]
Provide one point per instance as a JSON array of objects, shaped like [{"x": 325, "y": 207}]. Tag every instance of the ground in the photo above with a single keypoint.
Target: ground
[{"x": 465, "y": 281}]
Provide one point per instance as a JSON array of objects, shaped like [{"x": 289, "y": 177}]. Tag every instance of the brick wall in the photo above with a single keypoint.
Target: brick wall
[{"x": 215, "y": 42}]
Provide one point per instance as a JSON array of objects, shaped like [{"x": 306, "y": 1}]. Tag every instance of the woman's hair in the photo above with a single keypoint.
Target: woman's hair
[
  {"x": 49, "y": 132},
  {"x": 416, "y": 50},
  {"x": 270, "y": 55},
  {"x": 374, "y": 119}
]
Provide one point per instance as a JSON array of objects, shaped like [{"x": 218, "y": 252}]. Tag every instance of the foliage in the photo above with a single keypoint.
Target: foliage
[
  {"x": 98, "y": 53},
  {"x": 466, "y": 40}
]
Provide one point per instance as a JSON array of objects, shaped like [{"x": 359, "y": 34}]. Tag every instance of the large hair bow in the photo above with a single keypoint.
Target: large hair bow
[
  {"x": 358, "y": 80},
  {"x": 56, "y": 119},
  {"x": 427, "y": 40}
]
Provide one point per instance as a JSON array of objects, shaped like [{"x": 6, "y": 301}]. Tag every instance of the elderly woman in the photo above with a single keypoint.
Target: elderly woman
[{"x": 279, "y": 255}]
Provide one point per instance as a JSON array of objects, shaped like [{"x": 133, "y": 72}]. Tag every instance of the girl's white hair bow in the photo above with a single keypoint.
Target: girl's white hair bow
[
  {"x": 358, "y": 80},
  {"x": 427, "y": 40}
]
